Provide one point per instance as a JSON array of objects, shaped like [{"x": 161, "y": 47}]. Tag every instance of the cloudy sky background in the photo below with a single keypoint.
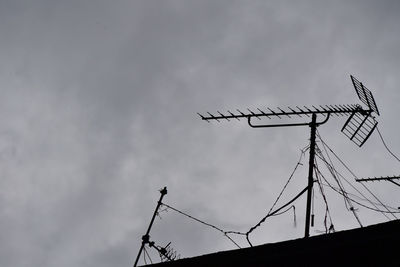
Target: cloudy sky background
[{"x": 98, "y": 112}]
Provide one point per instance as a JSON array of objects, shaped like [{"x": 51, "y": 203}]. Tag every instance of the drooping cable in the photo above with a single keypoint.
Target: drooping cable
[
  {"x": 335, "y": 173},
  {"x": 355, "y": 201},
  {"x": 384, "y": 143},
  {"x": 282, "y": 212},
  {"x": 339, "y": 190},
  {"x": 293, "y": 207},
  {"x": 225, "y": 233},
  {"x": 327, "y": 212},
  {"x": 355, "y": 177},
  {"x": 347, "y": 200},
  {"x": 270, "y": 213},
  {"x": 303, "y": 151},
  {"x": 345, "y": 194}
]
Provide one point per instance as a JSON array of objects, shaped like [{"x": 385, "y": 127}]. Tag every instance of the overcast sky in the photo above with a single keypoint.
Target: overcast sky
[{"x": 98, "y": 112}]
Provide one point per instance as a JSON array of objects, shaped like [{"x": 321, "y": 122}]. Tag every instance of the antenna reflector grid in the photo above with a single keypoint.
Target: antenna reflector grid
[
  {"x": 359, "y": 127},
  {"x": 364, "y": 94}
]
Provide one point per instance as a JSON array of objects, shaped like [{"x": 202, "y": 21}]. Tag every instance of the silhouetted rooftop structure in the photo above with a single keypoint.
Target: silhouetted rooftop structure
[{"x": 376, "y": 245}]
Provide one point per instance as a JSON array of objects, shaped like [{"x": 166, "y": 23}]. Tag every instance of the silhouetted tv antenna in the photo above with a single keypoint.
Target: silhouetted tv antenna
[
  {"x": 358, "y": 127},
  {"x": 387, "y": 178},
  {"x": 166, "y": 253}
]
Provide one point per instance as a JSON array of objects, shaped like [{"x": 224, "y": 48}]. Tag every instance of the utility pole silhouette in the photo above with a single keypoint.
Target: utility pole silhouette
[{"x": 313, "y": 125}]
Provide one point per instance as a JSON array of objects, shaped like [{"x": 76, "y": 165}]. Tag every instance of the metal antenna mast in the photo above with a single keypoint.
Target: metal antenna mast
[
  {"x": 146, "y": 237},
  {"x": 358, "y": 127}
]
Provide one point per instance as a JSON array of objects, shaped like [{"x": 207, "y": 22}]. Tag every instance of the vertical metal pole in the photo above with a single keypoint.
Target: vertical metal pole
[
  {"x": 313, "y": 126},
  {"x": 146, "y": 237}
]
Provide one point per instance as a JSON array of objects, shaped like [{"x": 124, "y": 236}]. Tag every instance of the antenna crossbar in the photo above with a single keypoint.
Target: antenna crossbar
[
  {"x": 326, "y": 110},
  {"x": 387, "y": 178}
]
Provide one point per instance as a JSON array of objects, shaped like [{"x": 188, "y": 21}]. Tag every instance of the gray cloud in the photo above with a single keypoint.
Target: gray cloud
[{"x": 99, "y": 105}]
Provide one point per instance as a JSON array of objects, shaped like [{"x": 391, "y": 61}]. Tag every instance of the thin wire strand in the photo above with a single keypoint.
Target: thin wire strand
[
  {"x": 290, "y": 178},
  {"x": 339, "y": 191},
  {"x": 144, "y": 256},
  {"x": 344, "y": 193},
  {"x": 225, "y": 233},
  {"x": 270, "y": 213},
  {"x": 352, "y": 173},
  {"x": 347, "y": 199},
  {"x": 357, "y": 202},
  {"x": 280, "y": 213},
  {"x": 332, "y": 170},
  {"x": 335, "y": 174},
  {"x": 384, "y": 143},
  {"x": 358, "y": 197},
  {"x": 327, "y": 212},
  {"x": 148, "y": 256},
  {"x": 364, "y": 198}
]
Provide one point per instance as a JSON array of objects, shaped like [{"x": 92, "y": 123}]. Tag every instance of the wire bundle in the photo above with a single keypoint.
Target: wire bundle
[{"x": 324, "y": 154}]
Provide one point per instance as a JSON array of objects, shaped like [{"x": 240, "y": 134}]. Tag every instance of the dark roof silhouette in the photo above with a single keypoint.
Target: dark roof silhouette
[{"x": 375, "y": 245}]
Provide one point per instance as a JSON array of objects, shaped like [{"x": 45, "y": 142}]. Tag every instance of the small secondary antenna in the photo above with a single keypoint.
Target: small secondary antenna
[
  {"x": 387, "y": 178},
  {"x": 146, "y": 237},
  {"x": 357, "y": 128}
]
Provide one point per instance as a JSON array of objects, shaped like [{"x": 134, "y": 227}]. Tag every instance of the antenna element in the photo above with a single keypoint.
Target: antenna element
[{"x": 358, "y": 127}]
